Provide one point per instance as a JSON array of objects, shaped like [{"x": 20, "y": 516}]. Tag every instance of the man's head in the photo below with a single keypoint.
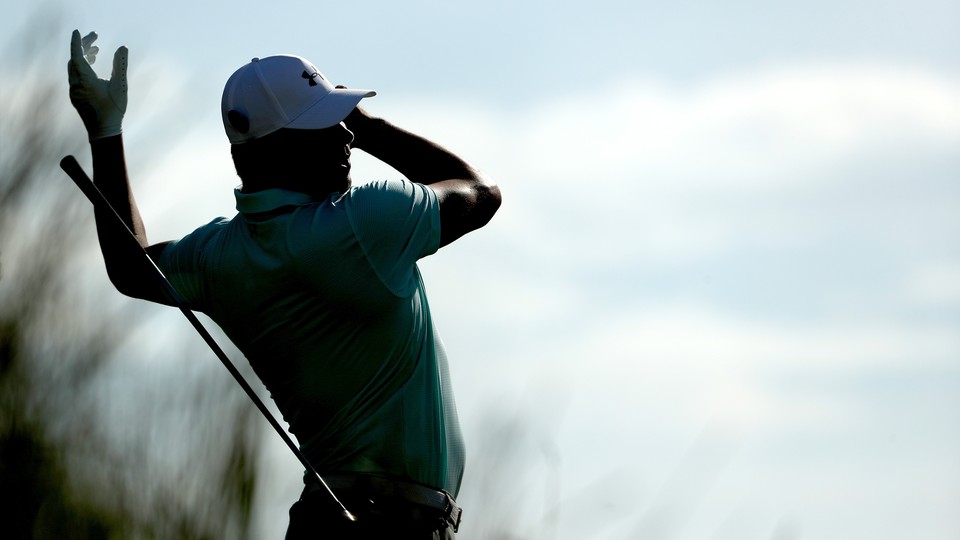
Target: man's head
[
  {"x": 283, "y": 116},
  {"x": 314, "y": 161}
]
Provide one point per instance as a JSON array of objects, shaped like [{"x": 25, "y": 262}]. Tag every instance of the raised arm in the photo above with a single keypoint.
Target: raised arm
[
  {"x": 101, "y": 105},
  {"x": 468, "y": 198}
]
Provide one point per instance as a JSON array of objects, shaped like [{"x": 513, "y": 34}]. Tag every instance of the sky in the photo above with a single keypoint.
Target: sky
[{"x": 722, "y": 296}]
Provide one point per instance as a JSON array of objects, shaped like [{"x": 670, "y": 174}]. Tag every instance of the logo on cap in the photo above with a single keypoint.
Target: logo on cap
[{"x": 310, "y": 76}]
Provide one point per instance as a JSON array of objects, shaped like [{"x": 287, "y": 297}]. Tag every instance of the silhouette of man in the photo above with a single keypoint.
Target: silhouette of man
[{"x": 316, "y": 282}]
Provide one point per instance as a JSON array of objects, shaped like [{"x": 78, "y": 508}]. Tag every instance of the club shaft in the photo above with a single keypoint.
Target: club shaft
[{"x": 70, "y": 165}]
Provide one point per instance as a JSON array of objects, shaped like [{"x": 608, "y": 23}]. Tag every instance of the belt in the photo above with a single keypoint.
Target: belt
[{"x": 390, "y": 488}]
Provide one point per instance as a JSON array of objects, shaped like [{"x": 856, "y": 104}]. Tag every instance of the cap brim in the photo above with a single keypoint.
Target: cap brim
[{"x": 331, "y": 109}]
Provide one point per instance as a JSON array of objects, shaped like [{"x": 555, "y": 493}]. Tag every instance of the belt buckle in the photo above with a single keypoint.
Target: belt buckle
[{"x": 454, "y": 513}]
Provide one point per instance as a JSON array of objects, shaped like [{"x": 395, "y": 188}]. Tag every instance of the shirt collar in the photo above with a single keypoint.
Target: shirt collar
[{"x": 270, "y": 199}]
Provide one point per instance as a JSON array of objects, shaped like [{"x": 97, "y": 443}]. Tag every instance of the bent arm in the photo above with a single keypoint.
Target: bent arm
[
  {"x": 127, "y": 268},
  {"x": 468, "y": 198}
]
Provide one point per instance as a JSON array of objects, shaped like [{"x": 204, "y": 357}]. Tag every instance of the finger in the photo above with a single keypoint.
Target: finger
[
  {"x": 91, "y": 54},
  {"x": 73, "y": 76},
  {"x": 79, "y": 66},
  {"x": 76, "y": 48},
  {"x": 89, "y": 49},
  {"x": 120, "y": 68},
  {"x": 88, "y": 40}
]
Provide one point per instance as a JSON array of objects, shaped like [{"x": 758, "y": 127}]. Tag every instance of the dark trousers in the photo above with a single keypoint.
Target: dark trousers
[{"x": 316, "y": 516}]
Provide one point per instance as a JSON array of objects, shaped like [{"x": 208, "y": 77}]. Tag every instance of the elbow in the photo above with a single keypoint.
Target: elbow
[
  {"x": 122, "y": 282},
  {"x": 131, "y": 278},
  {"x": 467, "y": 205},
  {"x": 489, "y": 198}
]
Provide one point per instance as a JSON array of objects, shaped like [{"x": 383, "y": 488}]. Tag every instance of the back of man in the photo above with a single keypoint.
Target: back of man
[{"x": 325, "y": 300}]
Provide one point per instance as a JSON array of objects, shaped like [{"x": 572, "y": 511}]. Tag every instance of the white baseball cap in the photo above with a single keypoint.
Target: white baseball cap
[{"x": 282, "y": 91}]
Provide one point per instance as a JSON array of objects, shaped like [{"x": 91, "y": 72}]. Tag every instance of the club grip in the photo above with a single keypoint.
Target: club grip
[{"x": 72, "y": 167}]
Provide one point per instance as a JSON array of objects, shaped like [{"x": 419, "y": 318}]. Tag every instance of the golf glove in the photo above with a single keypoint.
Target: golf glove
[{"x": 100, "y": 103}]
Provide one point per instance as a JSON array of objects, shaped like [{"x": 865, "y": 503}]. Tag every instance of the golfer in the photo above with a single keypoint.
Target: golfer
[{"x": 315, "y": 280}]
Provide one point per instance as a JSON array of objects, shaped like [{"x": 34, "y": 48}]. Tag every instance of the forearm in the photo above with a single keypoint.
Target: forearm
[
  {"x": 125, "y": 264},
  {"x": 415, "y": 157},
  {"x": 110, "y": 177},
  {"x": 467, "y": 197}
]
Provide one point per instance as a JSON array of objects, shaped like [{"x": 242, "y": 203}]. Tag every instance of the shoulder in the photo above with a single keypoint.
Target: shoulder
[
  {"x": 202, "y": 234},
  {"x": 391, "y": 203},
  {"x": 392, "y": 191},
  {"x": 195, "y": 241},
  {"x": 394, "y": 220}
]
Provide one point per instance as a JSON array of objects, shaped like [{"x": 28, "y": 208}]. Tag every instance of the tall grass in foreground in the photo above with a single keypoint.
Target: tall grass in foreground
[{"x": 99, "y": 438}]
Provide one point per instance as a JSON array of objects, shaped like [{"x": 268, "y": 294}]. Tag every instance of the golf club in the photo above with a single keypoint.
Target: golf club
[{"x": 70, "y": 165}]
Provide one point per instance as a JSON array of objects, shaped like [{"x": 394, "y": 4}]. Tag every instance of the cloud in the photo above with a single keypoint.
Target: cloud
[
  {"x": 808, "y": 161},
  {"x": 744, "y": 130},
  {"x": 935, "y": 283},
  {"x": 770, "y": 253}
]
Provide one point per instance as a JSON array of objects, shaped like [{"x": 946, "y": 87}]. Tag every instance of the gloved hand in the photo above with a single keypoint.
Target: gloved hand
[{"x": 101, "y": 103}]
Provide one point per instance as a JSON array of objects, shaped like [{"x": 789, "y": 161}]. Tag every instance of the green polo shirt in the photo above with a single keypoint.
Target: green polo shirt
[{"x": 325, "y": 300}]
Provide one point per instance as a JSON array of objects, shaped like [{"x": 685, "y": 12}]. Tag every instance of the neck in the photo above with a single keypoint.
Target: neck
[{"x": 318, "y": 190}]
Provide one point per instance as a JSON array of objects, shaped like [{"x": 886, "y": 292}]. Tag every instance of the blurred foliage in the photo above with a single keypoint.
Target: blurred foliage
[{"x": 92, "y": 444}]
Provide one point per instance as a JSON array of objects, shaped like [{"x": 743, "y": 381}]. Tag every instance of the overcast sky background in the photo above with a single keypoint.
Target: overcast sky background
[{"x": 722, "y": 297}]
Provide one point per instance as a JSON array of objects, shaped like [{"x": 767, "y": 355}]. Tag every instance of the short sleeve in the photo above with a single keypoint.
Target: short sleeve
[
  {"x": 396, "y": 223},
  {"x": 180, "y": 262}
]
